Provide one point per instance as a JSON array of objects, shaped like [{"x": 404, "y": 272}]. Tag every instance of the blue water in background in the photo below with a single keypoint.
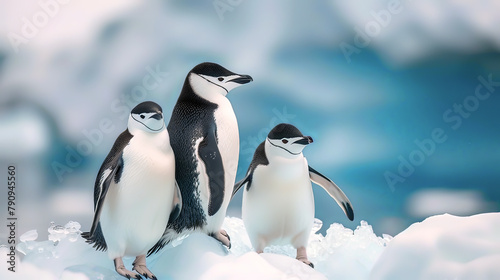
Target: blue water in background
[{"x": 413, "y": 103}]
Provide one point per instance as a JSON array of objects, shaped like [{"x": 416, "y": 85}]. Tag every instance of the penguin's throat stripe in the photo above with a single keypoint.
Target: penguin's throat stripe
[
  {"x": 295, "y": 154},
  {"x": 214, "y": 83},
  {"x": 163, "y": 125}
]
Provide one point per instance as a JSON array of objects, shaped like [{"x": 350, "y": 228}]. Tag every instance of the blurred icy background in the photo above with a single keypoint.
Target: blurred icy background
[{"x": 69, "y": 72}]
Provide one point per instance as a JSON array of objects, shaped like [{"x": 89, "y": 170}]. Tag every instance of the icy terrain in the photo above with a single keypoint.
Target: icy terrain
[
  {"x": 440, "y": 247},
  {"x": 341, "y": 254},
  {"x": 444, "y": 247}
]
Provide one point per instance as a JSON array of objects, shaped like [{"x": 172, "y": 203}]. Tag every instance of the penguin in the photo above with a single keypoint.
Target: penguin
[
  {"x": 278, "y": 201},
  {"x": 135, "y": 192},
  {"x": 204, "y": 136}
]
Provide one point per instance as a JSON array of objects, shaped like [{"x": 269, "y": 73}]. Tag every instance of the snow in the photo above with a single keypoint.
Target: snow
[
  {"x": 440, "y": 247},
  {"x": 444, "y": 247},
  {"x": 66, "y": 256}
]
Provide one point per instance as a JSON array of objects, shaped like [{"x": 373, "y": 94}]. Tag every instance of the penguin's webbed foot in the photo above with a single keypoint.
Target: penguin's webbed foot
[
  {"x": 306, "y": 261},
  {"x": 140, "y": 266},
  {"x": 120, "y": 269},
  {"x": 222, "y": 237},
  {"x": 302, "y": 256},
  {"x": 128, "y": 274}
]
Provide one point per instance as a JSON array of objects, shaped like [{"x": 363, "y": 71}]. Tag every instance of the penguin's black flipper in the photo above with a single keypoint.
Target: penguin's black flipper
[
  {"x": 110, "y": 170},
  {"x": 157, "y": 247},
  {"x": 239, "y": 184},
  {"x": 210, "y": 155},
  {"x": 97, "y": 239},
  {"x": 109, "y": 174},
  {"x": 333, "y": 190},
  {"x": 259, "y": 158}
]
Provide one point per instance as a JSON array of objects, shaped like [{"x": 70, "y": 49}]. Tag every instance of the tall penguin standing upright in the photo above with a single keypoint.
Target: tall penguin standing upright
[
  {"x": 204, "y": 136},
  {"x": 135, "y": 193}
]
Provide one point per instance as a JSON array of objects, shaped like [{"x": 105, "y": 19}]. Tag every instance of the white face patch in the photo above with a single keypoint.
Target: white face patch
[
  {"x": 224, "y": 82},
  {"x": 150, "y": 122},
  {"x": 287, "y": 145}
]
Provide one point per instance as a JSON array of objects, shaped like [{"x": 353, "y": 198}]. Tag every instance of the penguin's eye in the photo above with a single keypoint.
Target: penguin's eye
[
  {"x": 221, "y": 79},
  {"x": 142, "y": 116},
  {"x": 284, "y": 141}
]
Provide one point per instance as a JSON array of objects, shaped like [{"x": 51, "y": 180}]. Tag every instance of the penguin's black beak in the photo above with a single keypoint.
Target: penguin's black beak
[
  {"x": 156, "y": 116},
  {"x": 242, "y": 79},
  {"x": 306, "y": 140}
]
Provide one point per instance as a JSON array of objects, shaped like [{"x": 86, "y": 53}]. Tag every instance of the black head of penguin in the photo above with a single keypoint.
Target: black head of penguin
[
  {"x": 149, "y": 115},
  {"x": 207, "y": 74},
  {"x": 215, "y": 70},
  {"x": 147, "y": 107},
  {"x": 211, "y": 69},
  {"x": 284, "y": 130},
  {"x": 289, "y": 138}
]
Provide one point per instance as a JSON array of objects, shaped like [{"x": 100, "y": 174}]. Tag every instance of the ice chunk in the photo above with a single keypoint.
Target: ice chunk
[
  {"x": 71, "y": 231},
  {"x": 28, "y": 244},
  {"x": 344, "y": 253},
  {"x": 29, "y": 236},
  {"x": 56, "y": 232},
  {"x": 73, "y": 227},
  {"x": 387, "y": 238},
  {"x": 318, "y": 224},
  {"x": 240, "y": 243}
]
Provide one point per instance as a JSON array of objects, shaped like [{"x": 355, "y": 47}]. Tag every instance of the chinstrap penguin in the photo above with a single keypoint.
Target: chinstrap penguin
[
  {"x": 204, "y": 136},
  {"x": 135, "y": 192},
  {"x": 278, "y": 202}
]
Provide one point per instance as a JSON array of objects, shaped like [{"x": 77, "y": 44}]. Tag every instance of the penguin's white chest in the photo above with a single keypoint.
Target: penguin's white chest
[
  {"x": 136, "y": 210},
  {"x": 279, "y": 206},
  {"x": 228, "y": 140},
  {"x": 228, "y": 145}
]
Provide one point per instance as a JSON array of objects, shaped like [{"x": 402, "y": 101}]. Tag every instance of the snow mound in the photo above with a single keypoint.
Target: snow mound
[
  {"x": 440, "y": 247},
  {"x": 444, "y": 247},
  {"x": 342, "y": 254}
]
